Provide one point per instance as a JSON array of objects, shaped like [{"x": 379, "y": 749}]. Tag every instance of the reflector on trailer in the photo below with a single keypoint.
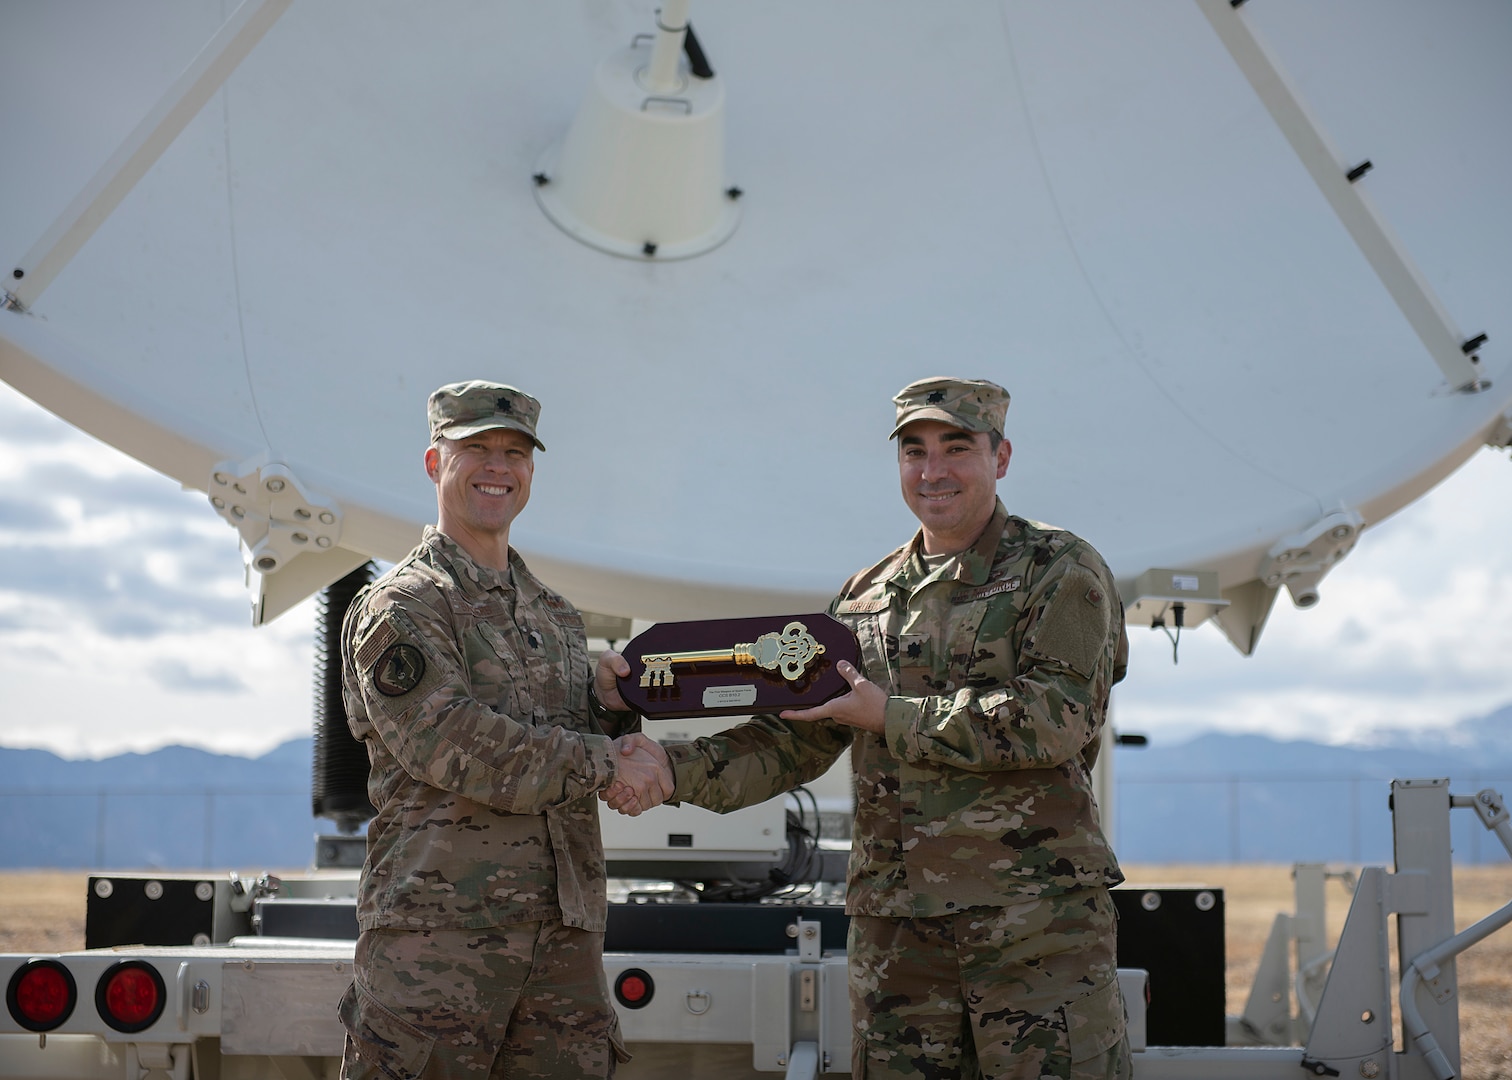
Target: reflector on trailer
[
  {"x": 41, "y": 995},
  {"x": 634, "y": 988},
  {"x": 130, "y": 996}
]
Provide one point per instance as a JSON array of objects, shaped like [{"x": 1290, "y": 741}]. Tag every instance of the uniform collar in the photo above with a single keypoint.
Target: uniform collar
[
  {"x": 971, "y": 567},
  {"x": 476, "y": 579}
]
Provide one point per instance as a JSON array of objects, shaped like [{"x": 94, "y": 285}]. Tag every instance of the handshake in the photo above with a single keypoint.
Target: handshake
[{"x": 645, "y": 776}]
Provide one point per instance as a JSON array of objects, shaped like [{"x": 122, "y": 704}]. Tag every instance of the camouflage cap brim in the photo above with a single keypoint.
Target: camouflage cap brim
[
  {"x": 967, "y": 404},
  {"x": 462, "y": 431},
  {"x": 933, "y": 414},
  {"x": 460, "y": 410}
]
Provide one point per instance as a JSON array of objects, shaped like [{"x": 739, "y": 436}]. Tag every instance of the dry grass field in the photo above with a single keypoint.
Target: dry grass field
[{"x": 43, "y": 911}]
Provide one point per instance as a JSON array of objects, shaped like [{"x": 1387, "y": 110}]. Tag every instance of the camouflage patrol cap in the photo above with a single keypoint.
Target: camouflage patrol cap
[
  {"x": 458, "y": 410},
  {"x": 969, "y": 404}
]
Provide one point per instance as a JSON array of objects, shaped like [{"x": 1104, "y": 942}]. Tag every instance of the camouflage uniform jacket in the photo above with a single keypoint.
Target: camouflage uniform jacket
[
  {"x": 999, "y": 665},
  {"x": 470, "y": 688}
]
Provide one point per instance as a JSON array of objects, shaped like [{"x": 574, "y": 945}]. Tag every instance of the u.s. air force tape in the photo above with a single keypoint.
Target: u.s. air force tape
[{"x": 398, "y": 670}]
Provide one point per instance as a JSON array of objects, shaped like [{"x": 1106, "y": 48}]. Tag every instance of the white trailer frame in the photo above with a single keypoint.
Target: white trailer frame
[{"x": 257, "y": 1008}]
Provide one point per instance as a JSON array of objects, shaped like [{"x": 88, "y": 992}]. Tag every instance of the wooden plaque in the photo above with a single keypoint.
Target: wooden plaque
[{"x": 735, "y": 667}]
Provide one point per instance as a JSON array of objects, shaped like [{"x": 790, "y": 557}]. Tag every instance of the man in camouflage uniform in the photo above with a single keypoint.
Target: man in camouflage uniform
[
  {"x": 481, "y": 904},
  {"x": 982, "y": 933}
]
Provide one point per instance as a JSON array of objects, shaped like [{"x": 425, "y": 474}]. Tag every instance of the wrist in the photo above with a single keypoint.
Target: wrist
[{"x": 599, "y": 711}]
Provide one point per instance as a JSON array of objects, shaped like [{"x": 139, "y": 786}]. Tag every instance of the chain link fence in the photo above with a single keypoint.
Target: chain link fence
[{"x": 1232, "y": 818}]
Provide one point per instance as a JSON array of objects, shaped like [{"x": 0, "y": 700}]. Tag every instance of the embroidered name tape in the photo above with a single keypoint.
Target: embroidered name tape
[
  {"x": 992, "y": 588},
  {"x": 861, "y": 607}
]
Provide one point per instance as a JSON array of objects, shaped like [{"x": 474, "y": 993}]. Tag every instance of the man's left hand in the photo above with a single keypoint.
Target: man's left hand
[
  {"x": 645, "y": 776},
  {"x": 865, "y": 706},
  {"x": 611, "y": 667}
]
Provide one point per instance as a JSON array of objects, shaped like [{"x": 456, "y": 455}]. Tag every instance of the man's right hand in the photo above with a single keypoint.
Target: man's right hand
[{"x": 645, "y": 775}]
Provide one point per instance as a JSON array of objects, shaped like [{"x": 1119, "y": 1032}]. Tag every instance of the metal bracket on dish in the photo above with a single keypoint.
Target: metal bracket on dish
[
  {"x": 1299, "y": 561},
  {"x": 277, "y": 517}
]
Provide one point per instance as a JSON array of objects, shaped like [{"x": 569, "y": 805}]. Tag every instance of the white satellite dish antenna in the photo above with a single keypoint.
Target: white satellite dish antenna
[{"x": 1232, "y": 345}]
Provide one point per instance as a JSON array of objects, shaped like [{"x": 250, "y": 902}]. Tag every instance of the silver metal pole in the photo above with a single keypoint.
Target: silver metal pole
[{"x": 671, "y": 28}]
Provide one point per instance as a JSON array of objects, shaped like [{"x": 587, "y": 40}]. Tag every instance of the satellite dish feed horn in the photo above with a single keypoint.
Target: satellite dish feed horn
[{"x": 641, "y": 172}]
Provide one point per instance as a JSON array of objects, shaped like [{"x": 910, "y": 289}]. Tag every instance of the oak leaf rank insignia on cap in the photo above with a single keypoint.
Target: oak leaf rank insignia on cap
[
  {"x": 969, "y": 404},
  {"x": 458, "y": 410}
]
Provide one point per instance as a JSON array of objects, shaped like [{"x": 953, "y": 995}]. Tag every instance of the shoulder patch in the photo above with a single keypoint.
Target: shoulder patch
[
  {"x": 1076, "y": 625},
  {"x": 398, "y": 670},
  {"x": 379, "y": 638}
]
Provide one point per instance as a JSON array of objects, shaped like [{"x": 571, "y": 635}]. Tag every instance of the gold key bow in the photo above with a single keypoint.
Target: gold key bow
[{"x": 790, "y": 652}]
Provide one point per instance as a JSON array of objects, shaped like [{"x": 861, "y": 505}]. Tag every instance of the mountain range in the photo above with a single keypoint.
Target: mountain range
[
  {"x": 1249, "y": 798},
  {"x": 1214, "y": 798}
]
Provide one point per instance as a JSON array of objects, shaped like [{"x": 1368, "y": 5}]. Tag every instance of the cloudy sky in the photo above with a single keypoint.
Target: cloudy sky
[
  {"x": 124, "y": 622},
  {"x": 1413, "y": 631}
]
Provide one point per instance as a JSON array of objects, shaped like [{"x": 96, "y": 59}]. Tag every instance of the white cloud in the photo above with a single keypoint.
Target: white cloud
[{"x": 124, "y": 624}]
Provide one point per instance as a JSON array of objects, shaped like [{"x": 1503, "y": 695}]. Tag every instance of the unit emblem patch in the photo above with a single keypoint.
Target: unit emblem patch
[{"x": 398, "y": 670}]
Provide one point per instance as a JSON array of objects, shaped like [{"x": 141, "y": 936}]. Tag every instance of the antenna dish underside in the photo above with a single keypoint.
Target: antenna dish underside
[{"x": 1087, "y": 204}]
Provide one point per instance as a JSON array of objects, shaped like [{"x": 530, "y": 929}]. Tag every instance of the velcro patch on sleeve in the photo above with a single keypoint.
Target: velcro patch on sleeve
[
  {"x": 399, "y": 670},
  {"x": 1074, "y": 628},
  {"x": 380, "y": 637}
]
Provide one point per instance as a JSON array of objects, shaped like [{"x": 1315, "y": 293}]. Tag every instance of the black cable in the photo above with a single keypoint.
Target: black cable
[
  {"x": 698, "y": 63},
  {"x": 1178, "y": 616},
  {"x": 797, "y": 869}
]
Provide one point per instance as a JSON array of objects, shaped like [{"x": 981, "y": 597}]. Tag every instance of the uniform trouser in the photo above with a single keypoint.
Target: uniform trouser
[
  {"x": 526, "y": 1000},
  {"x": 1023, "y": 991}
]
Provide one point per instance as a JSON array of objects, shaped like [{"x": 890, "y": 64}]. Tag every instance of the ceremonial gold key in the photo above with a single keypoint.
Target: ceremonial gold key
[{"x": 790, "y": 652}]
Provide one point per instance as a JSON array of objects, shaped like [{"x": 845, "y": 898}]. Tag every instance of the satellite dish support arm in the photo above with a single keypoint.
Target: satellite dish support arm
[
  {"x": 141, "y": 150},
  {"x": 1454, "y": 355}
]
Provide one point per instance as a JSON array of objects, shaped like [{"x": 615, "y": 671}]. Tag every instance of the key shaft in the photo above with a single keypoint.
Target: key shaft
[{"x": 790, "y": 653}]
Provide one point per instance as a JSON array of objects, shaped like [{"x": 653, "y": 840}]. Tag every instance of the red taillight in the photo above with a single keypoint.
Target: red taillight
[
  {"x": 130, "y": 996},
  {"x": 633, "y": 988},
  {"x": 41, "y": 995}
]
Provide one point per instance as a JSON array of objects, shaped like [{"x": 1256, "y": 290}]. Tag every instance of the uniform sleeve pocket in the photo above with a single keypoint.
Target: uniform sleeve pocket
[
  {"x": 1095, "y": 1023},
  {"x": 1074, "y": 627},
  {"x": 381, "y": 1038}
]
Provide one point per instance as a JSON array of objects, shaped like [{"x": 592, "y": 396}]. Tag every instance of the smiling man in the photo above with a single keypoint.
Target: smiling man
[
  {"x": 982, "y": 935},
  {"x": 482, "y": 900}
]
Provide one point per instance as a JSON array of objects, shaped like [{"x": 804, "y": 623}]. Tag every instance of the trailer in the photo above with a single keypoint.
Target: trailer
[{"x": 252, "y": 995}]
